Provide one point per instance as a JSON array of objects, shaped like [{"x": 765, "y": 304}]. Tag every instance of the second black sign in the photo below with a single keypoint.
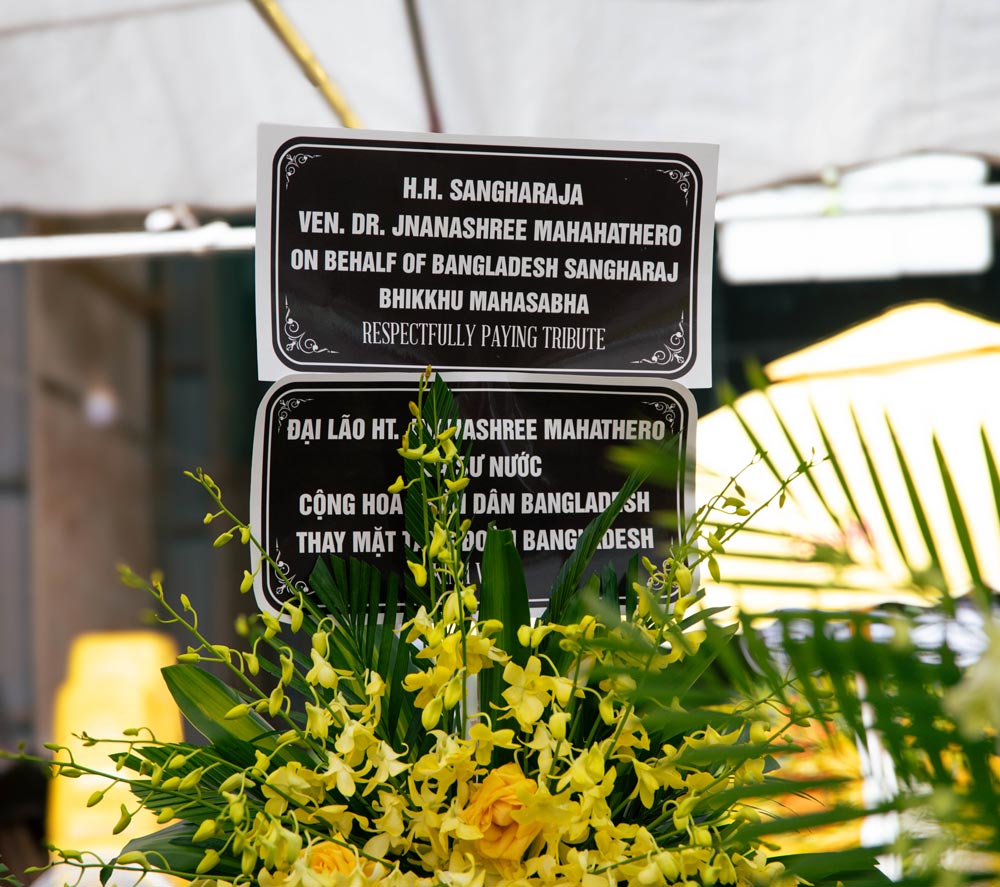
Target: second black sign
[{"x": 325, "y": 455}]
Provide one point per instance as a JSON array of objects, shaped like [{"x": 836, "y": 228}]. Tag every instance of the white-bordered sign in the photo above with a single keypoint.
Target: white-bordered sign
[
  {"x": 393, "y": 250},
  {"x": 325, "y": 454}
]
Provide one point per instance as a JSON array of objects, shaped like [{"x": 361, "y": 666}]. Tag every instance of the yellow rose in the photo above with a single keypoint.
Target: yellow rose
[
  {"x": 492, "y": 809},
  {"x": 327, "y": 858}
]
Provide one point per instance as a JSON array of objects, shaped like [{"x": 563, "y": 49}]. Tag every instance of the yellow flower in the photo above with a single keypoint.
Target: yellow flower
[
  {"x": 486, "y": 740},
  {"x": 385, "y": 761},
  {"x": 528, "y": 691},
  {"x": 493, "y": 809},
  {"x": 430, "y": 683},
  {"x": 292, "y": 784},
  {"x": 278, "y": 846},
  {"x": 450, "y": 450},
  {"x": 408, "y": 452},
  {"x": 327, "y": 857},
  {"x": 392, "y": 822},
  {"x": 339, "y": 774},
  {"x": 322, "y": 672},
  {"x": 438, "y": 540},
  {"x": 318, "y": 720}
]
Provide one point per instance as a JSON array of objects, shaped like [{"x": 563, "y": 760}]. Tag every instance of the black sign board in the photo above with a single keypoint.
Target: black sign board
[
  {"x": 397, "y": 251},
  {"x": 325, "y": 454}
]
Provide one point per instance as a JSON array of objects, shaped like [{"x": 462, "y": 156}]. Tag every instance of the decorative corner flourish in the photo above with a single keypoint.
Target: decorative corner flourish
[
  {"x": 282, "y": 565},
  {"x": 287, "y": 405},
  {"x": 297, "y": 338},
  {"x": 292, "y": 164},
  {"x": 668, "y": 411},
  {"x": 673, "y": 351},
  {"x": 683, "y": 179}
]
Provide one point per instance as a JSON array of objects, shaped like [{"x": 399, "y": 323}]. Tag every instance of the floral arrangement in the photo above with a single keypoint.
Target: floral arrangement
[{"x": 475, "y": 744}]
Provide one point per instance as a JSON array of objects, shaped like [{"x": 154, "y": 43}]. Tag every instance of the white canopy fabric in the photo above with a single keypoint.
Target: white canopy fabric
[{"x": 113, "y": 105}]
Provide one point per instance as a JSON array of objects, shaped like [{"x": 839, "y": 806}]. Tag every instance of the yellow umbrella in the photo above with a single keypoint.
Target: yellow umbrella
[{"x": 903, "y": 404}]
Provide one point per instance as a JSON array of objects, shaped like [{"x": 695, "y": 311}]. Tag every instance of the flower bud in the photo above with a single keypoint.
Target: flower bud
[
  {"x": 438, "y": 540},
  {"x": 191, "y": 780},
  {"x": 133, "y": 857},
  {"x": 232, "y": 783},
  {"x": 295, "y": 615},
  {"x": 431, "y": 714},
  {"x": 275, "y": 700},
  {"x": 123, "y": 821},
  {"x": 204, "y": 832},
  {"x": 453, "y": 692},
  {"x": 208, "y": 862},
  {"x": 683, "y": 576},
  {"x": 419, "y": 573}
]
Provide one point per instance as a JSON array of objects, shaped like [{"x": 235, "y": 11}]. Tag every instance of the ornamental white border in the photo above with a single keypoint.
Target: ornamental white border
[
  {"x": 299, "y": 386},
  {"x": 295, "y": 143}
]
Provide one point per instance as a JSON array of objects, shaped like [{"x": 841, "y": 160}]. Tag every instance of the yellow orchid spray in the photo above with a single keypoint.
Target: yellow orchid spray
[{"x": 477, "y": 745}]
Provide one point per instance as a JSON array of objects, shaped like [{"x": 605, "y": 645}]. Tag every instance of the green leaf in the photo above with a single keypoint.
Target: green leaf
[
  {"x": 799, "y": 456},
  {"x": 567, "y": 582},
  {"x": 503, "y": 595},
  {"x": 205, "y": 700},
  {"x": 879, "y": 489},
  {"x": 854, "y": 865},
  {"x": 919, "y": 512},
  {"x": 364, "y": 638},
  {"x": 175, "y": 844},
  {"x": 959, "y": 521}
]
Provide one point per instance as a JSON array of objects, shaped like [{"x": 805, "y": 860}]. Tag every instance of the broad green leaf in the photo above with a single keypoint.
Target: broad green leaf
[
  {"x": 182, "y": 857},
  {"x": 503, "y": 595},
  {"x": 566, "y": 584},
  {"x": 204, "y": 700},
  {"x": 853, "y": 866}
]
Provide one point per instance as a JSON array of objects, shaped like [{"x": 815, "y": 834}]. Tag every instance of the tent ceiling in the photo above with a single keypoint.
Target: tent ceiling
[{"x": 125, "y": 105}]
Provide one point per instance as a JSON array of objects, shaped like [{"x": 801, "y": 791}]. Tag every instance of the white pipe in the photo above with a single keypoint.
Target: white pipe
[
  {"x": 803, "y": 201},
  {"x": 211, "y": 238}
]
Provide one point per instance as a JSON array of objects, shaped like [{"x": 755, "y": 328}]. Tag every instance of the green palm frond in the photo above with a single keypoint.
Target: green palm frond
[{"x": 364, "y": 606}]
